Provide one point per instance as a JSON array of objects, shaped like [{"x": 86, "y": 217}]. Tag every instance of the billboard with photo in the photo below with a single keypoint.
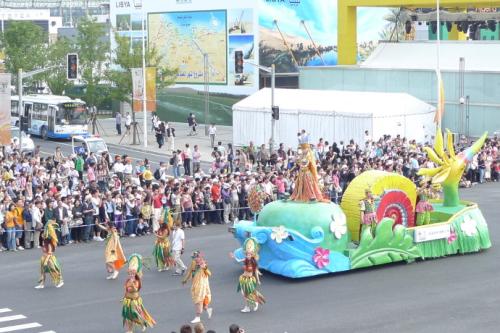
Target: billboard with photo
[{"x": 287, "y": 33}]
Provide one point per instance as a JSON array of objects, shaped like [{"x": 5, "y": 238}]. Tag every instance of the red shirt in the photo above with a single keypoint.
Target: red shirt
[
  {"x": 157, "y": 201},
  {"x": 215, "y": 191}
]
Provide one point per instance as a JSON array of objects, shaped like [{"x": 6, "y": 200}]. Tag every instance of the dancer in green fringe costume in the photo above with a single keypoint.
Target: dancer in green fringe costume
[
  {"x": 424, "y": 208},
  {"x": 48, "y": 262},
  {"x": 133, "y": 311},
  {"x": 162, "y": 250},
  {"x": 250, "y": 278}
]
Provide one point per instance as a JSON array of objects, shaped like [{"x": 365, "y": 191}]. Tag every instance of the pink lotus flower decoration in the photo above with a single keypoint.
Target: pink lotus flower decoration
[
  {"x": 321, "y": 257},
  {"x": 452, "y": 237}
]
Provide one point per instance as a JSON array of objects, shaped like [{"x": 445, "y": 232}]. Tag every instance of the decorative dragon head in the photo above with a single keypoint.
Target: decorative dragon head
[{"x": 450, "y": 166}]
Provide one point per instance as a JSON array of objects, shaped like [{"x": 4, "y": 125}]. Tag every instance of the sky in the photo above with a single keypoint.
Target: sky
[{"x": 321, "y": 19}]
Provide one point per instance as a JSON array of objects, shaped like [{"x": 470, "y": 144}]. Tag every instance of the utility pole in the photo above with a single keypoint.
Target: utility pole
[
  {"x": 271, "y": 70},
  {"x": 20, "y": 107},
  {"x": 206, "y": 82}
]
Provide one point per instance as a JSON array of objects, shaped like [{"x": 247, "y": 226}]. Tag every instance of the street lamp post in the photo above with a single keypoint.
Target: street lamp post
[
  {"x": 139, "y": 5},
  {"x": 272, "y": 71},
  {"x": 206, "y": 82}
]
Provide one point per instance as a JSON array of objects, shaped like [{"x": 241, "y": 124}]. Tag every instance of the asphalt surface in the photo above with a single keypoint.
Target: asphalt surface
[
  {"x": 137, "y": 153},
  {"x": 456, "y": 294}
]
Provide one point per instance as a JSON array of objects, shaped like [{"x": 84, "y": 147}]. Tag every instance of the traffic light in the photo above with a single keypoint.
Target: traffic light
[
  {"x": 276, "y": 112},
  {"x": 238, "y": 62},
  {"x": 72, "y": 66}
]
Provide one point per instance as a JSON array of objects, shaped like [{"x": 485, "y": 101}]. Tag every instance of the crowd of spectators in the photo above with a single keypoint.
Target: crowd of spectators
[{"x": 79, "y": 192}]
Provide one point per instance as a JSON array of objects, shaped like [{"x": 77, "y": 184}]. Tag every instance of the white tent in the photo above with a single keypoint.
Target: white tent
[
  {"x": 332, "y": 115},
  {"x": 479, "y": 55}
]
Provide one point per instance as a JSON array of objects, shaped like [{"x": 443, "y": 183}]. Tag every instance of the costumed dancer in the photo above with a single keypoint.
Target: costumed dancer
[
  {"x": 199, "y": 273},
  {"x": 133, "y": 311},
  {"x": 162, "y": 250},
  {"x": 424, "y": 208},
  {"x": 367, "y": 210},
  {"x": 48, "y": 261},
  {"x": 250, "y": 278},
  {"x": 306, "y": 185},
  {"x": 113, "y": 252}
]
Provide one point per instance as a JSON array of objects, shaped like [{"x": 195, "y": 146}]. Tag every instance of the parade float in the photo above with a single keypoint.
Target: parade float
[{"x": 307, "y": 235}]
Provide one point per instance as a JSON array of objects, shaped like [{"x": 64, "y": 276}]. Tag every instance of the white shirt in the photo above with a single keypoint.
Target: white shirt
[
  {"x": 177, "y": 238},
  {"x": 128, "y": 120},
  {"x": 212, "y": 130},
  {"x": 118, "y": 167}
]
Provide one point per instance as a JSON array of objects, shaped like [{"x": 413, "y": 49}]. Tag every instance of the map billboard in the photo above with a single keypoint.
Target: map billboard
[{"x": 287, "y": 33}]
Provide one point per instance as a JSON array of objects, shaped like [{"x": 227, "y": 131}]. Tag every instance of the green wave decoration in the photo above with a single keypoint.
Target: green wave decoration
[{"x": 389, "y": 245}]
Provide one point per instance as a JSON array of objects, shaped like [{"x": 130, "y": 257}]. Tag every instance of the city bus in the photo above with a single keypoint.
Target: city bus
[{"x": 51, "y": 116}]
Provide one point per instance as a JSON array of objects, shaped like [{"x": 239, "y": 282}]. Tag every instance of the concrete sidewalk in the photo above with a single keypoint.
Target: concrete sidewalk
[{"x": 107, "y": 130}]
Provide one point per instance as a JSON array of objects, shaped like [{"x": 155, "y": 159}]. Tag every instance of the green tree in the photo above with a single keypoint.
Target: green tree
[
  {"x": 25, "y": 46},
  {"x": 93, "y": 52},
  {"x": 56, "y": 78},
  {"x": 395, "y": 28},
  {"x": 126, "y": 57}
]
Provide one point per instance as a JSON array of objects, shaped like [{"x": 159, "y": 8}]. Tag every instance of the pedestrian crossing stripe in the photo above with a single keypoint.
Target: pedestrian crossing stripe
[{"x": 19, "y": 327}]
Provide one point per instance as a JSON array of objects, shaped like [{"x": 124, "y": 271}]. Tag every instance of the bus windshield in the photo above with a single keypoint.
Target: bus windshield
[
  {"x": 96, "y": 146},
  {"x": 71, "y": 113}
]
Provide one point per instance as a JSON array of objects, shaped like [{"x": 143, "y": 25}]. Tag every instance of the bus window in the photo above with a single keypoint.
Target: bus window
[
  {"x": 14, "y": 108},
  {"x": 71, "y": 113}
]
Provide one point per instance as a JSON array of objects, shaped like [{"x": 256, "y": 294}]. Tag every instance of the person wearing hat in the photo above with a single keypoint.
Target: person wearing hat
[
  {"x": 250, "y": 279},
  {"x": 162, "y": 250},
  {"x": 113, "y": 252},
  {"x": 48, "y": 261},
  {"x": 367, "y": 210},
  {"x": 133, "y": 311},
  {"x": 201, "y": 295}
]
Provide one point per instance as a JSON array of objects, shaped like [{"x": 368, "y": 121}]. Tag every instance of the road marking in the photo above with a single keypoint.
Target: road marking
[
  {"x": 19, "y": 327},
  {"x": 48, "y": 332},
  {"x": 9, "y": 318},
  {"x": 5, "y": 310}
]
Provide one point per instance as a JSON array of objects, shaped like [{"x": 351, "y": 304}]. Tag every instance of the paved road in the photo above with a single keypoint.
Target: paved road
[
  {"x": 456, "y": 294},
  {"x": 135, "y": 152}
]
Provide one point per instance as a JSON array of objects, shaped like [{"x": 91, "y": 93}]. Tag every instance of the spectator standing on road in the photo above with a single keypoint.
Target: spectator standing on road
[
  {"x": 178, "y": 245},
  {"x": 118, "y": 122},
  {"x": 192, "y": 124},
  {"x": 212, "y": 131},
  {"x": 186, "y": 157},
  {"x": 196, "y": 159},
  {"x": 160, "y": 134},
  {"x": 128, "y": 122},
  {"x": 170, "y": 138}
]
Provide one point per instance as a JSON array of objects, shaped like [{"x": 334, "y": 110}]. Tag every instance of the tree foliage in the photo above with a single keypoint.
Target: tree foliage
[
  {"x": 93, "y": 52},
  {"x": 56, "y": 78},
  {"x": 25, "y": 46},
  {"x": 128, "y": 55}
]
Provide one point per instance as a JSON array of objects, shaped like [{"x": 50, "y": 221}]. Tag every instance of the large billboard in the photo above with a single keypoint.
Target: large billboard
[{"x": 235, "y": 36}]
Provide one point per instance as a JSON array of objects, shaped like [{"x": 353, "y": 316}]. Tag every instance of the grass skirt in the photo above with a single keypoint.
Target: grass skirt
[
  {"x": 134, "y": 313},
  {"x": 162, "y": 254},
  {"x": 248, "y": 286},
  {"x": 50, "y": 264}
]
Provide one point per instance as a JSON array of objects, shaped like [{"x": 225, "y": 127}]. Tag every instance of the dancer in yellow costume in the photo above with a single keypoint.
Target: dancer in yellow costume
[
  {"x": 48, "y": 261},
  {"x": 162, "y": 249},
  {"x": 133, "y": 311},
  {"x": 199, "y": 273},
  {"x": 113, "y": 252}
]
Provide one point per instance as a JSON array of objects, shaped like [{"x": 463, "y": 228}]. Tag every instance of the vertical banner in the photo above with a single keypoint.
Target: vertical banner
[
  {"x": 151, "y": 89},
  {"x": 138, "y": 89},
  {"x": 5, "y": 136}
]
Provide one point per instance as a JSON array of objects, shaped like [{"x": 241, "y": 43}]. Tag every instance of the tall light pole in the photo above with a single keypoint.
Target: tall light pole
[
  {"x": 206, "y": 82},
  {"x": 272, "y": 71},
  {"x": 139, "y": 5}
]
